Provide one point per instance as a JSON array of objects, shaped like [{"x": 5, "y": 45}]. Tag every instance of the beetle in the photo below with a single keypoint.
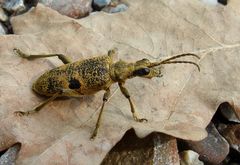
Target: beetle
[{"x": 88, "y": 76}]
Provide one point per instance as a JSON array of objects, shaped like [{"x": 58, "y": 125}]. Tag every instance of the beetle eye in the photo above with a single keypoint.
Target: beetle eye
[
  {"x": 74, "y": 84},
  {"x": 141, "y": 72}
]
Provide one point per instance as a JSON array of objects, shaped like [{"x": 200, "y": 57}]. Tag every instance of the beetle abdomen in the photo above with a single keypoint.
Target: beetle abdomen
[{"x": 49, "y": 83}]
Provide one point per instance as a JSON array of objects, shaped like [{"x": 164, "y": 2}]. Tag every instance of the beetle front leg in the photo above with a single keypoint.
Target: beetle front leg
[
  {"x": 126, "y": 94},
  {"x": 105, "y": 98},
  {"x": 37, "y": 108},
  {"x": 63, "y": 58}
]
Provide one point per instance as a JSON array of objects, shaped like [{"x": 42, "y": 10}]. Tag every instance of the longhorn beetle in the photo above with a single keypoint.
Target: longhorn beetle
[{"x": 86, "y": 77}]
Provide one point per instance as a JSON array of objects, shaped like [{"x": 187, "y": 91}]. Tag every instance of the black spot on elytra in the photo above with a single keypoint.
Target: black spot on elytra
[{"x": 74, "y": 84}]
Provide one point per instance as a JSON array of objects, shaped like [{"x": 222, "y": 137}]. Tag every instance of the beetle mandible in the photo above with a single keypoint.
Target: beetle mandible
[{"x": 86, "y": 77}]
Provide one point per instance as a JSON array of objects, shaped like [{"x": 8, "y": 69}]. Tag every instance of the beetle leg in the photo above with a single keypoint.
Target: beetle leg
[
  {"x": 63, "y": 58},
  {"x": 126, "y": 94},
  {"x": 105, "y": 98},
  {"x": 37, "y": 108}
]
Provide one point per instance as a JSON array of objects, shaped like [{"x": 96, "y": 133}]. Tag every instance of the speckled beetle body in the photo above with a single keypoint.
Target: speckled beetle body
[
  {"x": 83, "y": 77},
  {"x": 86, "y": 77}
]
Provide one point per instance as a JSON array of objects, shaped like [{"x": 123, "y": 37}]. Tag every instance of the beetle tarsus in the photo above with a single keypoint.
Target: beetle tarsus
[
  {"x": 20, "y": 53},
  {"x": 20, "y": 113},
  {"x": 140, "y": 120},
  {"x": 94, "y": 134}
]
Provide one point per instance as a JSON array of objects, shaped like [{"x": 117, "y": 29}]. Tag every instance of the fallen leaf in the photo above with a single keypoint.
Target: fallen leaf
[{"x": 181, "y": 103}]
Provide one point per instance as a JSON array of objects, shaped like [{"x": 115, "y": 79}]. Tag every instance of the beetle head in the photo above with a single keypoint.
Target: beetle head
[
  {"x": 122, "y": 70},
  {"x": 144, "y": 68}
]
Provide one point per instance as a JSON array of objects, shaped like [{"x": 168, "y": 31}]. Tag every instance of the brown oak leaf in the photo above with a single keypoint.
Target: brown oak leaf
[{"x": 181, "y": 103}]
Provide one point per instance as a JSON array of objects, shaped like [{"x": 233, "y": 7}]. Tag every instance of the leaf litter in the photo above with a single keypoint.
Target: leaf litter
[{"x": 181, "y": 103}]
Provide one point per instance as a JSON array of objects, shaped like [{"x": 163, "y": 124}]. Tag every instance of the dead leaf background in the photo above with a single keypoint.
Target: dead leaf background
[{"x": 181, "y": 103}]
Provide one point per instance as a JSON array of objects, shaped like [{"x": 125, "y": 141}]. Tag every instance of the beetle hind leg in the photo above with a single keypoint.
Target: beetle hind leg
[
  {"x": 62, "y": 57},
  {"x": 105, "y": 98},
  {"x": 37, "y": 108}
]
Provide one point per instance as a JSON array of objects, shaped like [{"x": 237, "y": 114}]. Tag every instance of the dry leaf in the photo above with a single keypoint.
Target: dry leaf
[{"x": 181, "y": 103}]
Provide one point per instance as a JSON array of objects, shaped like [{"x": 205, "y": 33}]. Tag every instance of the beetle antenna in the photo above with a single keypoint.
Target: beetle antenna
[
  {"x": 169, "y": 60},
  {"x": 186, "y": 62},
  {"x": 181, "y": 55}
]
